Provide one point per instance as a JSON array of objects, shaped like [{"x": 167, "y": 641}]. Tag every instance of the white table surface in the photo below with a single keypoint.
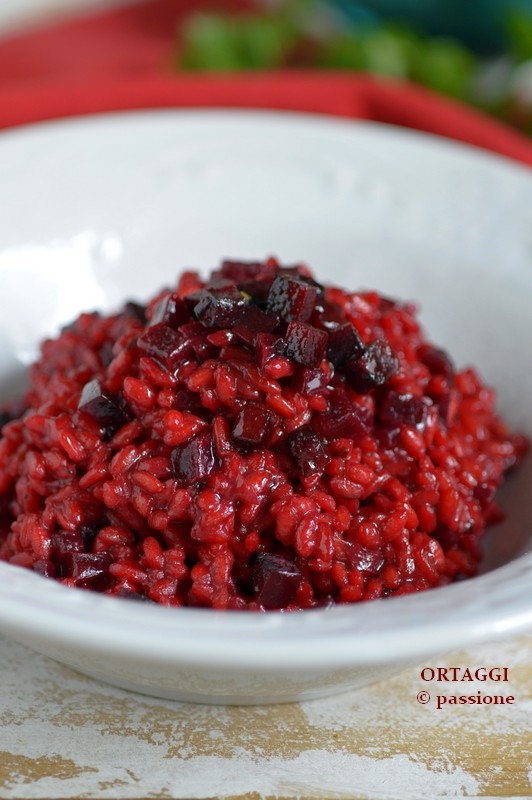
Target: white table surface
[{"x": 66, "y": 736}]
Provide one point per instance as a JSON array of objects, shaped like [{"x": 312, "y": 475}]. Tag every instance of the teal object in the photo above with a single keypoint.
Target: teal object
[{"x": 481, "y": 24}]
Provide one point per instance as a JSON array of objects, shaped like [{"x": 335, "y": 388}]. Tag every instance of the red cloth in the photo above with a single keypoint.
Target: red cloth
[{"x": 120, "y": 60}]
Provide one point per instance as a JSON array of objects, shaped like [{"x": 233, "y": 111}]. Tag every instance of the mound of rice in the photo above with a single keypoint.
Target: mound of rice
[{"x": 254, "y": 441}]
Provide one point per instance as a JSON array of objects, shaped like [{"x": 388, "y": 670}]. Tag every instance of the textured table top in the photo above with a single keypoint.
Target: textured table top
[{"x": 63, "y": 735}]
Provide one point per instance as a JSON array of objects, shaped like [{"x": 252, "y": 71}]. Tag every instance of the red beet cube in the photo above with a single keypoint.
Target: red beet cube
[
  {"x": 220, "y": 305},
  {"x": 171, "y": 310},
  {"x": 404, "y": 409},
  {"x": 309, "y": 380},
  {"x": 242, "y": 271},
  {"x": 363, "y": 559},
  {"x": 253, "y": 425},
  {"x": 64, "y": 542},
  {"x": 196, "y": 334},
  {"x": 305, "y": 344},
  {"x": 344, "y": 419},
  {"x": 275, "y": 581},
  {"x": 373, "y": 368},
  {"x": 328, "y": 315},
  {"x": 447, "y": 538},
  {"x": 194, "y": 460},
  {"x": 129, "y": 594},
  {"x": 84, "y": 566},
  {"x": 101, "y": 406},
  {"x": 269, "y": 346},
  {"x": 436, "y": 360},
  {"x": 253, "y": 322},
  {"x": 252, "y": 277},
  {"x": 46, "y": 568},
  {"x": 344, "y": 345},
  {"x": 165, "y": 345},
  {"x": 292, "y": 298},
  {"x": 485, "y": 494},
  {"x": 258, "y": 289},
  {"x": 136, "y": 310},
  {"x": 308, "y": 452},
  {"x": 188, "y": 401}
]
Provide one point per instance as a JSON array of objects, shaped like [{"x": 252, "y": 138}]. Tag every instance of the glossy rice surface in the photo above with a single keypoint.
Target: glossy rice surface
[{"x": 254, "y": 440}]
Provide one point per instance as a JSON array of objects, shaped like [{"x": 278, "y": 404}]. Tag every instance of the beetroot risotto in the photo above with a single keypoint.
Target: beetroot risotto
[{"x": 257, "y": 441}]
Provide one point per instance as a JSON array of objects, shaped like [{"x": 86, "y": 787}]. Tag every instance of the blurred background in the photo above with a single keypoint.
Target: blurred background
[{"x": 476, "y": 51}]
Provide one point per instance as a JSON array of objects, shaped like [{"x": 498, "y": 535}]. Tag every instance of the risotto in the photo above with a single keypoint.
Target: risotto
[{"x": 253, "y": 441}]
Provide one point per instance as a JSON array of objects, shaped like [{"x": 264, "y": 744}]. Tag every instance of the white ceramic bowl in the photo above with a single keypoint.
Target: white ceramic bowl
[{"x": 99, "y": 209}]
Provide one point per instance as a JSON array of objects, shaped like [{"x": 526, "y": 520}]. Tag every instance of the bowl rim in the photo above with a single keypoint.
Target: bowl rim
[
  {"x": 482, "y": 608},
  {"x": 489, "y": 606},
  {"x": 439, "y": 144}
]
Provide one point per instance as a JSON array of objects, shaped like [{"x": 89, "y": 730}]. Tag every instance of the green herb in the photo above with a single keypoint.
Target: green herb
[{"x": 297, "y": 33}]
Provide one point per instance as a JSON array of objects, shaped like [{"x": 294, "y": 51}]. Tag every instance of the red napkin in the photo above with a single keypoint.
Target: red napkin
[{"x": 121, "y": 60}]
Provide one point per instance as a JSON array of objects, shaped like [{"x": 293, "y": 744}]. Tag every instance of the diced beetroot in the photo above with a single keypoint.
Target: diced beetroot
[
  {"x": 309, "y": 381},
  {"x": 171, "y": 310},
  {"x": 242, "y": 271},
  {"x": 404, "y": 409},
  {"x": 88, "y": 533},
  {"x": 136, "y": 310},
  {"x": 269, "y": 346},
  {"x": 344, "y": 418},
  {"x": 363, "y": 559},
  {"x": 253, "y": 322},
  {"x": 305, "y": 344},
  {"x": 328, "y": 315},
  {"x": 444, "y": 404},
  {"x": 106, "y": 353},
  {"x": 241, "y": 574},
  {"x": 287, "y": 488},
  {"x": 446, "y": 537},
  {"x": 101, "y": 406},
  {"x": 275, "y": 581},
  {"x": 194, "y": 460},
  {"x": 253, "y": 425},
  {"x": 258, "y": 289},
  {"x": 344, "y": 345},
  {"x": 188, "y": 401},
  {"x": 84, "y": 566},
  {"x": 165, "y": 345},
  {"x": 292, "y": 298},
  {"x": 390, "y": 438},
  {"x": 373, "y": 368},
  {"x": 294, "y": 271},
  {"x": 388, "y": 304},
  {"x": 192, "y": 299},
  {"x": 308, "y": 452},
  {"x": 64, "y": 542},
  {"x": 196, "y": 334},
  {"x": 128, "y": 594},
  {"x": 46, "y": 568},
  {"x": 78, "y": 541},
  {"x": 220, "y": 305},
  {"x": 485, "y": 494},
  {"x": 300, "y": 271},
  {"x": 436, "y": 360}
]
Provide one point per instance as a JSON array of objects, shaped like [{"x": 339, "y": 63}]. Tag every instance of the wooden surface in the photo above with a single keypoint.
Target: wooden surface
[{"x": 63, "y": 735}]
